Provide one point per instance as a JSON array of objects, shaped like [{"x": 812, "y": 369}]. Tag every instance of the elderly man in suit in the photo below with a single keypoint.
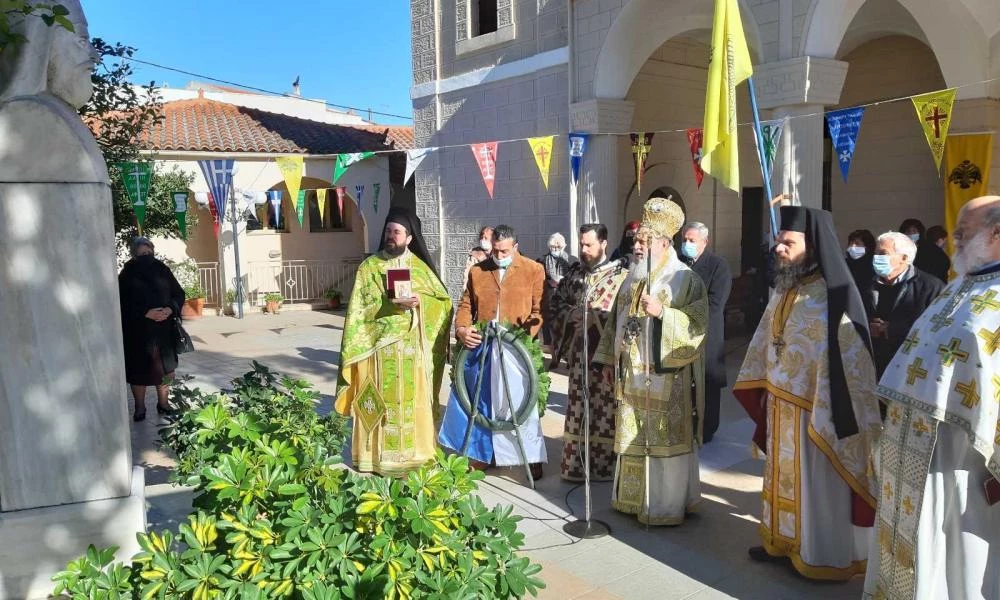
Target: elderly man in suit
[
  {"x": 506, "y": 288},
  {"x": 714, "y": 271}
]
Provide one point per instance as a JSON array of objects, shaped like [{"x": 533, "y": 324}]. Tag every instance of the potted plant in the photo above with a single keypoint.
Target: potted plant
[
  {"x": 232, "y": 305},
  {"x": 194, "y": 303},
  {"x": 272, "y": 302},
  {"x": 333, "y": 297}
]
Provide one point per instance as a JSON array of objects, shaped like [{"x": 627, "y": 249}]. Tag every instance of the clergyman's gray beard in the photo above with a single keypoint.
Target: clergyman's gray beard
[
  {"x": 973, "y": 256},
  {"x": 395, "y": 250},
  {"x": 787, "y": 277},
  {"x": 637, "y": 272}
]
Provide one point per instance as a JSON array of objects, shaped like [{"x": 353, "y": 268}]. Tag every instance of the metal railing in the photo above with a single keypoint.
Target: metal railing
[
  {"x": 300, "y": 280},
  {"x": 208, "y": 277}
]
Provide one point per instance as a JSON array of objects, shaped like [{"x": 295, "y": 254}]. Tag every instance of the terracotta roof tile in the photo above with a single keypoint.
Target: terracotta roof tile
[{"x": 209, "y": 126}]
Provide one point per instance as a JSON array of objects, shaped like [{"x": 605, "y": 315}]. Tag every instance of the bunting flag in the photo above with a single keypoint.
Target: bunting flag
[
  {"x": 359, "y": 192},
  {"x": 642, "y": 143},
  {"x": 340, "y": 205},
  {"x": 695, "y": 138},
  {"x": 968, "y": 159},
  {"x": 275, "y": 197},
  {"x": 321, "y": 204},
  {"x": 378, "y": 188},
  {"x": 934, "y": 111},
  {"x": 577, "y": 148},
  {"x": 771, "y": 131},
  {"x": 300, "y": 207},
  {"x": 215, "y": 214},
  {"x": 180, "y": 212},
  {"x": 219, "y": 177},
  {"x": 486, "y": 158},
  {"x": 413, "y": 160},
  {"x": 291, "y": 172},
  {"x": 135, "y": 177},
  {"x": 344, "y": 162},
  {"x": 541, "y": 148},
  {"x": 728, "y": 66},
  {"x": 844, "y": 126}
]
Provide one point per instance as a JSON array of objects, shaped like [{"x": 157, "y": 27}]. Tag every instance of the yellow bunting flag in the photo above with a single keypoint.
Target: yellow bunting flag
[
  {"x": 728, "y": 67},
  {"x": 934, "y": 111},
  {"x": 966, "y": 174},
  {"x": 321, "y": 203},
  {"x": 541, "y": 148},
  {"x": 291, "y": 171}
]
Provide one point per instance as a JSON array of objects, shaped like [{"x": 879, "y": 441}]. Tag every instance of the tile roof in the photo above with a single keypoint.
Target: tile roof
[{"x": 209, "y": 126}]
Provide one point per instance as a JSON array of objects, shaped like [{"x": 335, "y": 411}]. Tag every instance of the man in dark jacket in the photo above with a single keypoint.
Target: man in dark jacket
[
  {"x": 899, "y": 295},
  {"x": 714, "y": 271}
]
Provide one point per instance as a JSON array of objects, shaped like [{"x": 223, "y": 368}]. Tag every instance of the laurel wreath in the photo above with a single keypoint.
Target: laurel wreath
[{"x": 539, "y": 381}]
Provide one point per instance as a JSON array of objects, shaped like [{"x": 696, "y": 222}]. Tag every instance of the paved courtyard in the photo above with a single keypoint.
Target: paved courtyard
[{"x": 703, "y": 559}]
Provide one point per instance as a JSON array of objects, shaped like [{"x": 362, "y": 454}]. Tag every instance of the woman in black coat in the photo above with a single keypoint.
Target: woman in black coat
[
  {"x": 151, "y": 299},
  {"x": 860, "y": 249}
]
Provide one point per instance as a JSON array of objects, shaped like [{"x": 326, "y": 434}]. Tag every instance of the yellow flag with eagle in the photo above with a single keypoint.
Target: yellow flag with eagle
[{"x": 730, "y": 65}]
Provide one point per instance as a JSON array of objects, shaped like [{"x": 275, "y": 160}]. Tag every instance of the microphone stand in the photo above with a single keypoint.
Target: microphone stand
[{"x": 588, "y": 528}]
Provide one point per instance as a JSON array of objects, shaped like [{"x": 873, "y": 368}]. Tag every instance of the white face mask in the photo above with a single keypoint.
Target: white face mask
[
  {"x": 856, "y": 252},
  {"x": 486, "y": 245}
]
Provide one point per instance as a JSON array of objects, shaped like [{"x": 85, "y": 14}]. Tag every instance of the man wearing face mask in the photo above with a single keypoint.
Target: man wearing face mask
[
  {"x": 714, "y": 271},
  {"x": 897, "y": 297}
]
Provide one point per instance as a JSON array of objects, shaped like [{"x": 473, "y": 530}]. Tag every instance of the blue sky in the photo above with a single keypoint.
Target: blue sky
[{"x": 348, "y": 52}]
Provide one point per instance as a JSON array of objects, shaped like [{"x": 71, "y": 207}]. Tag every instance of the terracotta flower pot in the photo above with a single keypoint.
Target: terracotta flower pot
[
  {"x": 272, "y": 307},
  {"x": 333, "y": 303},
  {"x": 193, "y": 308}
]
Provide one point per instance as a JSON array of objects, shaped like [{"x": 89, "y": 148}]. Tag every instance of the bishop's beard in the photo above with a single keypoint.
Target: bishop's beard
[
  {"x": 638, "y": 272},
  {"x": 974, "y": 255}
]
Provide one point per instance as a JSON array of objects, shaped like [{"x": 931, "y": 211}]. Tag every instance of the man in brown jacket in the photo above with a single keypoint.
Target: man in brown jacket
[{"x": 507, "y": 287}]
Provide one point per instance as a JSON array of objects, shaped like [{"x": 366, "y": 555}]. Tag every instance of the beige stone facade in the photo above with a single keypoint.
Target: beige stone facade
[{"x": 615, "y": 66}]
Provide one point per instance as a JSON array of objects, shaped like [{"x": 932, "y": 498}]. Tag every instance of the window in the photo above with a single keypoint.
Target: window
[
  {"x": 335, "y": 217},
  {"x": 484, "y": 17},
  {"x": 264, "y": 218}
]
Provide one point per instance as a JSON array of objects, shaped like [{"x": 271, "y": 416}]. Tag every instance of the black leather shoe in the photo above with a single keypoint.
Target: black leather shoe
[{"x": 169, "y": 411}]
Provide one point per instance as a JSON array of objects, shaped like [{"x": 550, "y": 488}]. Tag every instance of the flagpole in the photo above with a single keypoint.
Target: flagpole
[
  {"x": 236, "y": 253},
  {"x": 761, "y": 156}
]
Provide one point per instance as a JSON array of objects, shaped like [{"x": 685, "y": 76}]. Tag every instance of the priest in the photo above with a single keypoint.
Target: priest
[
  {"x": 653, "y": 349},
  {"x": 393, "y": 351},
  {"x": 938, "y": 530},
  {"x": 808, "y": 383}
]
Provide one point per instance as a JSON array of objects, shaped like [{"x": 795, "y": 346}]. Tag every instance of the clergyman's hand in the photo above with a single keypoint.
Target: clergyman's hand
[
  {"x": 652, "y": 306},
  {"x": 469, "y": 337},
  {"x": 407, "y": 303}
]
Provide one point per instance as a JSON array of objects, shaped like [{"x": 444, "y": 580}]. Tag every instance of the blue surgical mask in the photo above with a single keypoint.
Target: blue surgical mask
[
  {"x": 856, "y": 252},
  {"x": 882, "y": 265},
  {"x": 503, "y": 263},
  {"x": 689, "y": 249},
  {"x": 915, "y": 237}
]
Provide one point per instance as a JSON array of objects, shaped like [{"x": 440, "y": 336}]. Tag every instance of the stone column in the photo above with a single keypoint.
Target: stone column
[
  {"x": 599, "y": 172},
  {"x": 799, "y": 90}
]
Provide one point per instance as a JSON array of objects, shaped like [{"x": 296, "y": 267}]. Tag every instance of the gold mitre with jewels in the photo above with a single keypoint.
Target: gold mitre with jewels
[{"x": 661, "y": 217}]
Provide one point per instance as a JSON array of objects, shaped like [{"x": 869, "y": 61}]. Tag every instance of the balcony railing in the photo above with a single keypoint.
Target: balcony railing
[{"x": 300, "y": 280}]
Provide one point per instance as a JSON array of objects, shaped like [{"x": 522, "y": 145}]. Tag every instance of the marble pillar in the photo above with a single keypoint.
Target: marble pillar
[
  {"x": 598, "y": 187},
  {"x": 799, "y": 90},
  {"x": 66, "y": 476}
]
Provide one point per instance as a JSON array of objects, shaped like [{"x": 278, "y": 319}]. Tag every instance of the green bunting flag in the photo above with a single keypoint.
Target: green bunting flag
[
  {"x": 135, "y": 177},
  {"x": 300, "y": 207},
  {"x": 344, "y": 161},
  {"x": 180, "y": 211}
]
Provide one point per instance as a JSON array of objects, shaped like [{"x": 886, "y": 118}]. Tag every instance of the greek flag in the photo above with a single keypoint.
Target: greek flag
[
  {"x": 359, "y": 190},
  {"x": 219, "y": 176}
]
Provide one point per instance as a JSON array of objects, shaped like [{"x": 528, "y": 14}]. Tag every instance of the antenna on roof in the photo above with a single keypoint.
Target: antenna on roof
[{"x": 296, "y": 90}]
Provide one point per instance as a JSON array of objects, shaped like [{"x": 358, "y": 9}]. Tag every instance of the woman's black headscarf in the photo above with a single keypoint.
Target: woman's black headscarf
[
  {"x": 842, "y": 298},
  {"x": 402, "y": 215}
]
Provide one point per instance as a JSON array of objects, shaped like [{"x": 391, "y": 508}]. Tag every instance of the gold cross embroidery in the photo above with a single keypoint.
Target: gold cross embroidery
[
  {"x": 987, "y": 301},
  {"x": 970, "y": 395},
  {"x": 910, "y": 342},
  {"x": 887, "y": 491},
  {"x": 908, "y": 505},
  {"x": 996, "y": 388},
  {"x": 992, "y": 339},
  {"x": 894, "y": 414},
  {"x": 920, "y": 427},
  {"x": 940, "y": 322},
  {"x": 915, "y": 371},
  {"x": 951, "y": 352}
]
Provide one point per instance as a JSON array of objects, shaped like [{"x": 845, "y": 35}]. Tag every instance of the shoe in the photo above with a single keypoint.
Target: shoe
[
  {"x": 139, "y": 415},
  {"x": 536, "y": 471},
  {"x": 760, "y": 554},
  {"x": 169, "y": 411}
]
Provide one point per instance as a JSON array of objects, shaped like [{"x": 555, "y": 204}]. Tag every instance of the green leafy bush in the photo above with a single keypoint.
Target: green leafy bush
[{"x": 279, "y": 516}]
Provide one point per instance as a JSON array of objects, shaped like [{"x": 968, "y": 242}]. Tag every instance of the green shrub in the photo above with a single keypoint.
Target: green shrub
[{"x": 279, "y": 516}]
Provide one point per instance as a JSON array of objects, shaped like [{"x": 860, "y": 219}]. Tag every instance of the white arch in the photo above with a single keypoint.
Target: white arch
[
  {"x": 641, "y": 27},
  {"x": 953, "y": 34}
]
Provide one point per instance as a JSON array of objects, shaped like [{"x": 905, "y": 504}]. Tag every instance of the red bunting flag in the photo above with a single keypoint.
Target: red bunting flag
[
  {"x": 695, "y": 139},
  {"x": 340, "y": 202},
  {"x": 486, "y": 158},
  {"x": 215, "y": 215}
]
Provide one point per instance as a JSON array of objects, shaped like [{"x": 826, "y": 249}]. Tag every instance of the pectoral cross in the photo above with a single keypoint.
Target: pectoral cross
[
  {"x": 992, "y": 339},
  {"x": 915, "y": 371},
  {"x": 986, "y": 301},
  {"x": 940, "y": 322},
  {"x": 970, "y": 395},
  {"x": 951, "y": 352},
  {"x": 779, "y": 346}
]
